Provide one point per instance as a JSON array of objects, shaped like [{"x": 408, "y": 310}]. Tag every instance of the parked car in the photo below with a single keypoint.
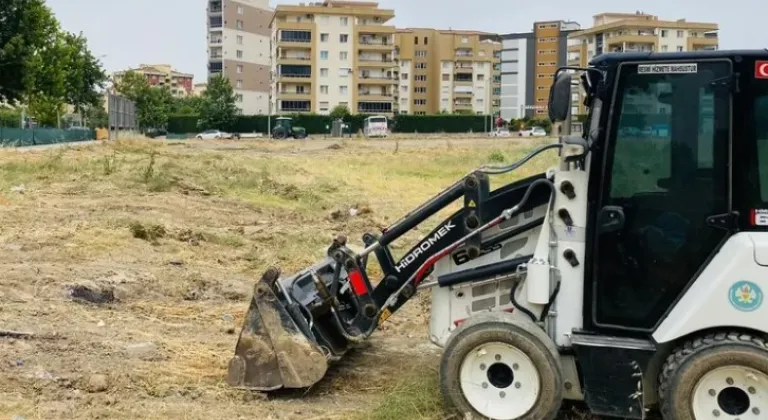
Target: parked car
[
  {"x": 533, "y": 132},
  {"x": 213, "y": 134},
  {"x": 500, "y": 132}
]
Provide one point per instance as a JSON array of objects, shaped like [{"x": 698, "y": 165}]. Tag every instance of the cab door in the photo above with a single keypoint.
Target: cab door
[{"x": 664, "y": 193}]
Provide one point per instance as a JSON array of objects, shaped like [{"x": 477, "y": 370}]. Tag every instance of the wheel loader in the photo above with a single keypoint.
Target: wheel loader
[{"x": 630, "y": 276}]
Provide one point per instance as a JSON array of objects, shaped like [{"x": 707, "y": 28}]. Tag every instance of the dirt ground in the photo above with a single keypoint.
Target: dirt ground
[{"x": 169, "y": 237}]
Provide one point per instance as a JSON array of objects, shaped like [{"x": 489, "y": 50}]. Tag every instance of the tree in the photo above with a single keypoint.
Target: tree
[
  {"x": 544, "y": 123},
  {"x": 84, "y": 74},
  {"x": 96, "y": 117},
  {"x": 189, "y": 105},
  {"x": 340, "y": 111},
  {"x": 132, "y": 85},
  {"x": 218, "y": 108},
  {"x": 28, "y": 30},
  {"x": 46, "y": 110}
]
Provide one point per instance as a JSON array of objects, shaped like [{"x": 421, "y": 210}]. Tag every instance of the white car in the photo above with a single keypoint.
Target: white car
[
  {"x": 213, "y": 134},
  {"x": 501, "y": 132},
  {"x": 533, "y": 132}
]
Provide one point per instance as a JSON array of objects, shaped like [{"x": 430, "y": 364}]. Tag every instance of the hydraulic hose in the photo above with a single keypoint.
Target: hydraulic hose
[
  {"x": 517, "y": 305},
  {"x": 497, "y": 170},
  {"x": 545, "y": 311}
]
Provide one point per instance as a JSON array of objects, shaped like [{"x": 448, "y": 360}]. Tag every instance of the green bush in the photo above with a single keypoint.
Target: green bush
[{"x": 183, "y": 124}]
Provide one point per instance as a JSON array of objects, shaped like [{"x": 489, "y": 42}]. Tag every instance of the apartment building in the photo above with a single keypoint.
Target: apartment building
[
  {"x": 447, "y": 71},
  {"x": 239, "y": 48},
  {"x": 333, "y": 53},
  {"x": 636, "y": 32},
  {"x": 180, "y": 84},
  {"x": 528, "y": 63}
]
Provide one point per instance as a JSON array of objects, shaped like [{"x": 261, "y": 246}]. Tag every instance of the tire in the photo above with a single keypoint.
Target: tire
[
  {"x": 476, "y": 353},
  {"x": 721, "y": 375}
]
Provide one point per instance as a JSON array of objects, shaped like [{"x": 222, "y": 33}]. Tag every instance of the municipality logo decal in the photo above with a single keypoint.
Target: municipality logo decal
[{"x": 745, "y": 296}]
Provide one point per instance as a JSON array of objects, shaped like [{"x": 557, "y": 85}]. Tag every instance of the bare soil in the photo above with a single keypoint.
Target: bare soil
[{"x": 168, "y": 238}]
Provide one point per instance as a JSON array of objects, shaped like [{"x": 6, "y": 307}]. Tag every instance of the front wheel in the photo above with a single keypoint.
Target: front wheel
[
  {"x": 499, "y": 371},
  {"x": 720, "y": 376}
]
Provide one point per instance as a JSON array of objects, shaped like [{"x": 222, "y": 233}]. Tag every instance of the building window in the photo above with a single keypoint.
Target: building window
[
  {"x": 446, "y": 64},
  {"x": 421, "y": 66},
  {"x": 446, "y": 77},
  {"x": 343, "y": 89},
  {"x": 324, "y": 106},
  {"x": 421, "y": 78},
  {"x": 239, "y": 54},
  {"x": 324, "y": 89},
  {"x": 323, "y": 55},
  {"x": 404, "y": 88},
  {"x": 426, "y": 40},
  {"x": 663, "y": 33},
  {"x": 420, "y": 90},
  {"x": 404, "y": 76},
  {"x": 679, "y": 49},
  {"x": 323, "y": 37},
  {"x": 344, "y": 21},
  {"x": 421, "y": 53},
  {"x": 239, "y": 24},
  {"x": 680, "y": 34},
  {"x": 664, "y": 48},
  {"x": 344, "y": 71},
  {"x": 239, "y": 97},
  {"x": 480, "y": 77},
  {"x": 464, "y": 40},
  {"x": 343, "y": 56},
  {"x": 239, "y": 40},
  {"x": 419, "y": 101},
  {"x": 239, "y": 84},
  {"x": 239, "y": 68},
  {"x": 323, "y": 72},
  {"x": 343, "y": 38},
  {"x": 239, "y": 10}
]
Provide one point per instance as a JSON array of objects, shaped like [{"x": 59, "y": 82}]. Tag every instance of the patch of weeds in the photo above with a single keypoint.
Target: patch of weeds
[
  {"x": 417, "y": 397},
  {"x": 149, "y": 233},
  {"x": 110, "y": 164},
  {"x": 192, "y": 237},
  {"x": 496, "y": 156},
  {"x": 228, "y": 240},
  {"x": 156, "y": 180}
]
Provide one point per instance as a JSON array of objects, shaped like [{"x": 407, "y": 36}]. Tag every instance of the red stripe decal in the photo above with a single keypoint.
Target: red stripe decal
[{"x": 358, "y": 284}]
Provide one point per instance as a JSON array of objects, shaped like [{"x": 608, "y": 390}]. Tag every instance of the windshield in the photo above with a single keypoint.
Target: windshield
[{"x": 377, "y": 119}]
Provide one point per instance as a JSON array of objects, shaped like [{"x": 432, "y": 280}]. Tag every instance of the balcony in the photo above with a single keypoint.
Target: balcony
[
  {"x": 375, "y": 61},
  {"x": 695, "y": 43},
  {"x": 288, "y": 106},
  {"x": 376, "y": 79},
  {"x": 283, "y": 26},
  {"x": 375, "y": 96},
  {"x": 462, "y": 104},
  {"x": 294, "y": 59},
  {"x": 294, "y": 94},
  {"x": 295, "y": 39},
  {"x": 462, "y": 80},
  {"x": 462, "y": 93},
  {"x": 375, "y": 29},
  {"x": 215, "y": 22},
  {"x": 464, "y": 68},
  {"x": 214, "y": 7},
  {"x": 631, "y": 39},
  {"x": 464, "y": 54},
  {"x": 366, "y": 106},
  {"x": 375, "y": 44}
]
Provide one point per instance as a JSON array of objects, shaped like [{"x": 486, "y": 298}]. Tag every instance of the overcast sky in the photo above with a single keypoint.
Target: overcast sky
[{"x": 130, "y": 32}]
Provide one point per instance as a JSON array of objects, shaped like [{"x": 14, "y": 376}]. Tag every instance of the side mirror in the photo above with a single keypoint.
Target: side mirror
[{"x": 560, "y": 97}]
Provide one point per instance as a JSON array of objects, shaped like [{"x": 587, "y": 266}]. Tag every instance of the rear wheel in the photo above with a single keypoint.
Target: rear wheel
[
  {"x": 720, "y": 376},
  {"x": 500, "y": 371}
]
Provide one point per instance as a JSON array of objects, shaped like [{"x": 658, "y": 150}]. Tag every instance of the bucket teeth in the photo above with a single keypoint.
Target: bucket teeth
[{"x": 272, "y": 352}]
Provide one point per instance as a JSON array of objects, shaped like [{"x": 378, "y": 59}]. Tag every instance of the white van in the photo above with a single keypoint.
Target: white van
[{"x": 376, "y": 126}]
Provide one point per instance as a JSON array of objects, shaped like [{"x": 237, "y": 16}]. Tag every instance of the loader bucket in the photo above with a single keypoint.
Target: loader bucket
[{"x": 272, "y": 352}]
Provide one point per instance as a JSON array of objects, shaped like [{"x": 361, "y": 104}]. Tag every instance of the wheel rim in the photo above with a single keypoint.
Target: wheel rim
[
  {"x": 499, "y": 381},
  {"x": 731, "y": 392}
]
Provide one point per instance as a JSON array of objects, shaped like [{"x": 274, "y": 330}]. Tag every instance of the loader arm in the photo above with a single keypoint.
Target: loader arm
[{"x": 321, "y": 312}]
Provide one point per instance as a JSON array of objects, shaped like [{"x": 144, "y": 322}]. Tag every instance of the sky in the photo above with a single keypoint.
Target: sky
[{"x": 126, "y": 33}]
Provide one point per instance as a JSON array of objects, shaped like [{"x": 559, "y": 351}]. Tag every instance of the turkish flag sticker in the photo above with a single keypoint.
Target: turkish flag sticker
[{"x": 761, "y": 70}]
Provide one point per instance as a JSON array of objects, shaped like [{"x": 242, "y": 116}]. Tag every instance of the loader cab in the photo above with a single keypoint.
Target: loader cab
[{"x": 675, "y": 166}]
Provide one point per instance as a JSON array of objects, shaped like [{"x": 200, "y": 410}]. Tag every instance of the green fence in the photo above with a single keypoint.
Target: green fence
[{"x": 18, "y": 137}]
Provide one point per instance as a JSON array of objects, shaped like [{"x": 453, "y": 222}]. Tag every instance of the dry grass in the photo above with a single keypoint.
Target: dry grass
[{"x": 179, "y": 231}]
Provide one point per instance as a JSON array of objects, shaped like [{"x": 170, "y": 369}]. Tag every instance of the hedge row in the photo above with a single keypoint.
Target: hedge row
[{"x": 321, "y": 124}]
